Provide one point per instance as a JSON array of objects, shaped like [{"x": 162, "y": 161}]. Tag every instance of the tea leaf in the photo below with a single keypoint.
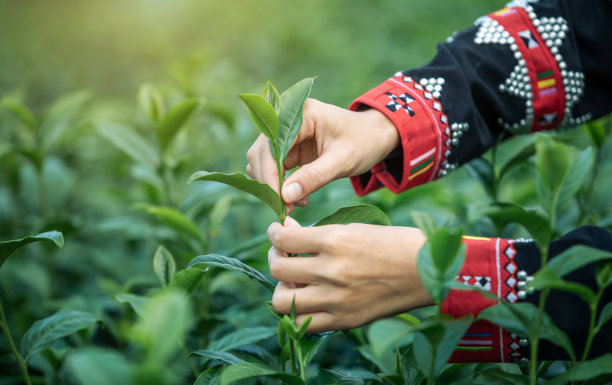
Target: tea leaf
[
  {"x": 332, "y": 376},
  {"x": 515, "y": 151},
  {"x": 439, "y": 262},
  {"x": 175, "y": 220},
  {"x": 135, "y": 301},
  {"x": 97, "y": 366},
  {"x": 262, "y": 113},
  {"x": 249, "y": 370},
  {"x": 575, "y": 257},
  {"x": 232, "y": 264},
  {"x": 259, "y": 190},
  {"x": 217, "y": 215},
  {"x": 270, "y": 93},
  {"x": 301, "y": 331},
  {"x": 552, "y": 161},
  {"x": 538, "y": 226},
  {"x": 576, "y": 174},
  {"x": 546, "y": 278},
  {"x": 131, "y": 143},
  {"x": 209, "y": 377},
  {"x": 164, "y": 265},
  {"x": 356, "y": 214},
  {"x": 604, "y": 316},
  {"x": 603, "y": 274},
  {"x": 225, "y": 357},
  {"x": 151, "y": 101},
  {"x": 423, "y": 221},
  {"x": 482, "y": 170},
  {"x": 585, "y": 370},
  {"x": 44, "y": 332},
  {"x": 171, "y": 123},
  {"x": 244, "y": 336},
  {"x": 290, "y": 116},
  {"x": 8, "y": 247},
  {"x": 596, "y": 131},
  {"x": 20, "y": 110},
  {"x": 289, "y": 327},
  {"x": 311, "y": 344},
  {"x": 500, "y": 377},
  {"x": 384, "y": 334},
  {"x": 187, "y": 280},
  {"x": 521, "y": 318},
  {"x": 58, "y": 120}
]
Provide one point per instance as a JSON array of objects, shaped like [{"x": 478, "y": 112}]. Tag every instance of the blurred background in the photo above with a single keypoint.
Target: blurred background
[{"x": 85, "y": 86}]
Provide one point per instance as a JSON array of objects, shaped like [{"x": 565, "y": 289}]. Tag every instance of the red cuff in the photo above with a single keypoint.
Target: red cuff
[
  {"x": 423, "y": 128},
  {"x": 489, "y": 264}
]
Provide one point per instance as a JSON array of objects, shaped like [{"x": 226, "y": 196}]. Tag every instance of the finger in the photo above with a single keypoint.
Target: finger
[
  {"x": 309, "y": 299},
  {"x": 309, "y": 178},
  {"x": 299, "y": 240},
  {"x": 263, "y": 165},
  {"x": 302, "y": 202},
  {"x": 249, "y": 170},
  {"x": 293, "y": 269}
]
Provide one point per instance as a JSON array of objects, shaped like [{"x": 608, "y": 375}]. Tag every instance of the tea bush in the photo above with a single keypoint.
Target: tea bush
[{"x": 165, "y": 282}]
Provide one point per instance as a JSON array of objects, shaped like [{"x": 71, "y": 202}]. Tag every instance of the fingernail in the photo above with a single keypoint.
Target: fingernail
[
  {"x": 291, "y": 222},
  {"x": 292, "y": 192}
]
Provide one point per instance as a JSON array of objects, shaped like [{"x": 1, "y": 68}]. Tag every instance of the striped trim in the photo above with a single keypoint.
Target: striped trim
[
  {"x": 546, "y": 74},
  {"x": 546, "y": 83},
  {"x": 505, "y": 12},
  {"x": 420, "y": 166},
  {"x": 476, "y": 238},
  {"x": 420, "y": 158},
  {"x": 430, "y": 165},
  {"x": 474, "y": 348},
  {"x": 476, "y": 342}
]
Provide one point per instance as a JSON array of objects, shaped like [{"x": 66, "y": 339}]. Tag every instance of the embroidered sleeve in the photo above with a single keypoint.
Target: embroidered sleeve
[
  {"x": 534, "y": 65},
  {"x": 503, "y": 267}
]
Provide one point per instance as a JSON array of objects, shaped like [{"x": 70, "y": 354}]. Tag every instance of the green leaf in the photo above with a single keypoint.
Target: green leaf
[
  {"x": 262, "y": 113},
  {"x": 209, "y": 377},
  {"x": 481, "y": 170},
  {"x": 603, "y": 274},
  {"x": 217, "y": 215},
  {"x": 521, "y": 318},
  {"x": 225, "y": 357},
  {"x": 311, "y": 344},
  {"x": 151, "y": 101},
  {"x": 232, "y": 264},
  {"x": 187, "y": 280},
  {"x": 270, "y": 93},
  {"x": 135, "y": 301},
  {"x": 97, "y": 366},
  {"x": 513, "y": 152},
  {"x": 423, "y": 221},
  {"x": 536, "y": 225},
  {"x": 58, "y": 120},
  {"x": 165, "y": 319},
  {"x": 356, "y": 214},
  {"x": 439, "y": 262},
  {"x": 585, "y": 370},
  {"x": 604, "y": 316},
  {"x": 19, "y": 110},
  {"x": 576, "y": 175},
  {"x": 8, "y": 247},
  {"x": 164, "y": 265},
  {"x": 175, "y": 220},
  {"x": 301, "y": 331},
  {"x": 552, "y": 161},
  {"x": 436, "y": 342},
  {"x": 259, "y": 190},
  {"x": 128, "y": 141},
  {"x": 290, "y": 116},
  {"x": 546, "y": 278},
  {"x": 596, "y": 131},
  {"x": 248, "y": 370},
  {"x": 385, "y": 334},
  {"x": 289, "y": 328},
  {"x": 174, "y": 120},
  {"x": 332, "y": 376},
  {"x": 498, "y": 376},
  {"x": 44, "y": 332},
  {"x": 244, "y": 336},
  {"x": 576, "y": 257}
]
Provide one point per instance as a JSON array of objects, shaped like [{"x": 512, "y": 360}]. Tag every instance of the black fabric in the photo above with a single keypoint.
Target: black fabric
[{"x": 568, "y": 311}]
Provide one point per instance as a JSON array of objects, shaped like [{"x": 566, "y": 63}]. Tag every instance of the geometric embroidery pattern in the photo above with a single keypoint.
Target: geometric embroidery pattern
[
  {"x": 511, "y": 267},
  {"x": 401, "y": 101},
  {"x": 476, "y": 281},
  {"x": 514, "y": 346}
]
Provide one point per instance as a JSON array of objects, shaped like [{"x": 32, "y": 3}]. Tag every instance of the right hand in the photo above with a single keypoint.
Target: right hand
[{"x": 332, "y": 143}]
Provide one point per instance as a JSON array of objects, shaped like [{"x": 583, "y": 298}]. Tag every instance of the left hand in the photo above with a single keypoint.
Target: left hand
[{"x": 357, "y": 273}]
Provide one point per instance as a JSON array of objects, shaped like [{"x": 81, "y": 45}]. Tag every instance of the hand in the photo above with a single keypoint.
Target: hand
[
  {"x": 357, "y": 273},
  {"x": 332, "y": 143}
]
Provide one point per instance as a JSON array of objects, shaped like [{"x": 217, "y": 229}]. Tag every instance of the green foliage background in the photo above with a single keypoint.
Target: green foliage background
[{"x": 79, "y": 67}]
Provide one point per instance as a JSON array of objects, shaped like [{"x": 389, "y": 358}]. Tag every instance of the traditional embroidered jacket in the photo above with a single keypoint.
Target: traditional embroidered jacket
[{"x": 534, "y": 65}]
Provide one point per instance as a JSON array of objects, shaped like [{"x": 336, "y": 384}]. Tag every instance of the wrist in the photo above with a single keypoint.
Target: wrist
[{"x": 386, "y": 133}]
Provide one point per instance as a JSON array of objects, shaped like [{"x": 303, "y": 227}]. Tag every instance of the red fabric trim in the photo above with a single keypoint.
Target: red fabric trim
[
  {"x": 489, "y": 263},
  {"x": 423, "y": 130},
  {"x": 539, "y": 60}
]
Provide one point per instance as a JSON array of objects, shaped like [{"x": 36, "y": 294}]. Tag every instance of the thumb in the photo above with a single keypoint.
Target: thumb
[
  {"x": 290, "y": 222},
  {"x": 309, "y": 178}
]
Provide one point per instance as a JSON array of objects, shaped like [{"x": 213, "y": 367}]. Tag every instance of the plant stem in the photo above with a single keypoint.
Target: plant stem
[
  {"x": 535, "y": 339},
  {"x": 279, "y": 168},
  {"x": 5, "y": 328},
  {"x": 300, "y": 360},
  {"x": 292, "y": 357},
  {"x": 184, "y": 348},
  {"x": 592, "y": 330}
]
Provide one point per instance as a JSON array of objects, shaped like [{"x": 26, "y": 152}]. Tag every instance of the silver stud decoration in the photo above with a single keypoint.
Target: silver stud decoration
[
  {"x": 523, "y": 280},
  {"x": 454, "y": 134}
]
